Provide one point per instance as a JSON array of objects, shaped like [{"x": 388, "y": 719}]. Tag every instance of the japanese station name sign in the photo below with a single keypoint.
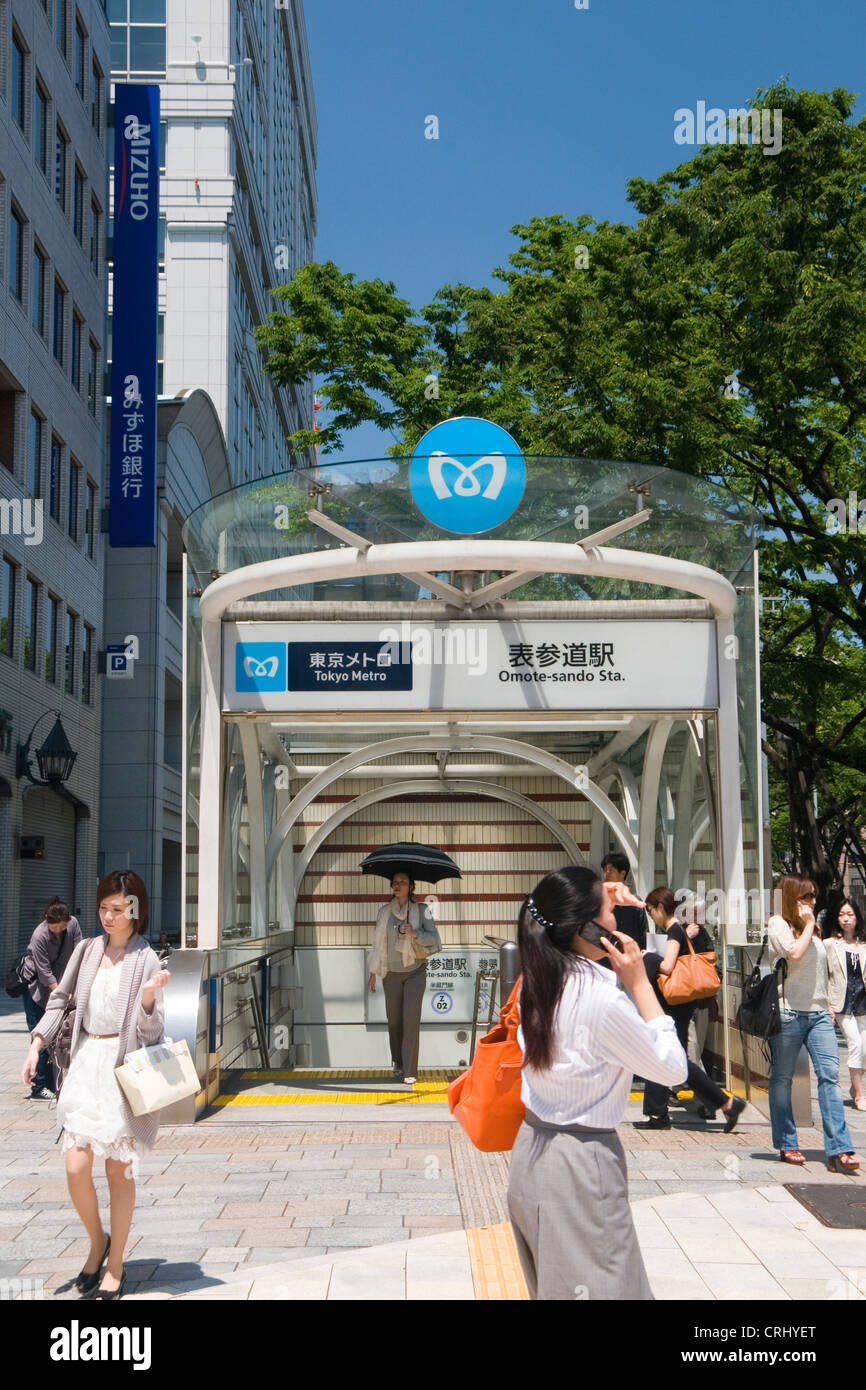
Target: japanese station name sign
[
  {"x": 626, "y": 664},
  {"x": 132, "y": 510}
]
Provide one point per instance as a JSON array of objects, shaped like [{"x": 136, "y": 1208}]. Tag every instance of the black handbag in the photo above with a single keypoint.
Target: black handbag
[
  {"x": 16, "y": 978},
  {"x": 758, "y": 1014},
  {"x": 59, "y": 1049}
]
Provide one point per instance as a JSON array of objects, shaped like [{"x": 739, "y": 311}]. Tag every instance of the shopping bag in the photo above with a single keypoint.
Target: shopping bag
[
  {"x": 156, "y": 1076},
  {"x": 485, "y": 1100}
]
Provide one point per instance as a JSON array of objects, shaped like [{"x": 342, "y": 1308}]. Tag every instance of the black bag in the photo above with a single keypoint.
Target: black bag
[
  {"x": 59, "y": 1049},
  {"x": 16, "y": 978},
  {"x": 758, "y": 1014}
]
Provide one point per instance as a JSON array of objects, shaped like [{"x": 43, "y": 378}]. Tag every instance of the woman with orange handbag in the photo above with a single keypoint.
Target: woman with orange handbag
[
  {"x": 582, "y": 1040},
  {"x": 661, "y": 906}
]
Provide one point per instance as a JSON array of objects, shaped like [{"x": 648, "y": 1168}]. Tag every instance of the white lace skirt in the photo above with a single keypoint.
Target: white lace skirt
[{"x": 90, "y": 1105}]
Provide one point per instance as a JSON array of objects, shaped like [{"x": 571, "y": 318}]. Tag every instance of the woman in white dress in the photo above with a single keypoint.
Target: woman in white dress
[{"x": 116, "y": 981}]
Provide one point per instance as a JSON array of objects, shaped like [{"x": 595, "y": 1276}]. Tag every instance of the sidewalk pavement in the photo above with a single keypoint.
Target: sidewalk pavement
[{"x": 390, "y": 1200}]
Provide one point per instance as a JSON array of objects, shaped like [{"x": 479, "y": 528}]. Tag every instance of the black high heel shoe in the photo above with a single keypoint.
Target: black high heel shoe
[
  {"x": 87, "y": 1282},
  {"x": 112, "y": 1293}
]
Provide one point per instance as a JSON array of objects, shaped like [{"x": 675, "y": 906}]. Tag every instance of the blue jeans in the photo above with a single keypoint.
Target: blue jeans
[
  {"x": 816, "y": 1032},
  {"x": 44, "y": 1070}
]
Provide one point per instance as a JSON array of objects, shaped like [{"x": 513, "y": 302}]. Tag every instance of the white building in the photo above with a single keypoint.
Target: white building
[
  {"x": 238, "y": 206},
  {"x": 237, "y": 195}
]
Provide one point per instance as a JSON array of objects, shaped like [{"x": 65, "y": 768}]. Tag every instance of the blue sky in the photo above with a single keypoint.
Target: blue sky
[{"x": 542, "y": 109}]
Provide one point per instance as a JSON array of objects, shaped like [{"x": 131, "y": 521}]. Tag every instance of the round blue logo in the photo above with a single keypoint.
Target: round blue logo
[
  {"x": 441, "y": 1003},
  {"x": 467, "y": 475}
]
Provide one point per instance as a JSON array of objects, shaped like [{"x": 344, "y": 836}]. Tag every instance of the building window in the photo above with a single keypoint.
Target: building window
[
  {"x": 77, "y": 335},
  {"x": 52, "y": 616},
  {"x": 38, "y": 289},
  {"x": 96, "y": 85},
  {"x": 160, "y": 352},
  {"x": 90, "y": 520},
  {"x": 80, "y": 58},
  {"x": 61, "y": 167},
  {"x": 95, "y": 234},
  {"x": 61, "y": 26},
  {"x": 92, "y": 375},
  {"x": 137, "y": 35},
  {"x": 59, "y": 337},
  {"x": 7, "y": 608},
  {"x": 74, "y": 489},
  {"x": 18, "y": 92},
  {"x": 78, "y": 204},
  {"x": 71, "y": 636},
  {"x": 54, "y": 477},
  {"x": 31, "y": 618},
  {"x": 87, "y": 664},
  {"x": 40, "y": 126},
  {"x": 16, "y": 254},
  {"x": 34, "y": 455}
]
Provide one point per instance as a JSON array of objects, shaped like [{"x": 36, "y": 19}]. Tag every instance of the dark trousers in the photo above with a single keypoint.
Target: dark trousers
[
  {"x": 404, "y": 995},
  {"x": 44, "y": 1070},
  {"x": 655, "y": 1097}
]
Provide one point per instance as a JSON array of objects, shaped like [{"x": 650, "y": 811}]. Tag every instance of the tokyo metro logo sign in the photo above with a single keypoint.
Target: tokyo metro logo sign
[{"x": 467, "y": 475}]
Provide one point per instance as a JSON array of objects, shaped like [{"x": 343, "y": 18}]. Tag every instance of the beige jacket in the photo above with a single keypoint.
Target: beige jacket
[
  {"x": 837, "y": 968},
  {"x": 135, "y": 1027}
]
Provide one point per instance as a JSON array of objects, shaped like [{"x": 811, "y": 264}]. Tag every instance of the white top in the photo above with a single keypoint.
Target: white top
[
  {"x": 805, "y": 989},
  {"x": 600, "y": 1042},
  {"x": 101, "y": 1011}
]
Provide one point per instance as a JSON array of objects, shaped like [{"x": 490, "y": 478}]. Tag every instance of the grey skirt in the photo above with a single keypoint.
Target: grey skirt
[{"x": 568, "y": 1203}]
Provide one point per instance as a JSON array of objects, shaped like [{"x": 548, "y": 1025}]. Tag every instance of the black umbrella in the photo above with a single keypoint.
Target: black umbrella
[{"x": 418, "y": 861}]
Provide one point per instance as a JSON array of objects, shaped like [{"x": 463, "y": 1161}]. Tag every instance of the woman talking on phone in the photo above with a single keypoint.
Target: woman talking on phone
[
  {"x": 582, "y": 1040},
  {"x": 794, "y": 934}
]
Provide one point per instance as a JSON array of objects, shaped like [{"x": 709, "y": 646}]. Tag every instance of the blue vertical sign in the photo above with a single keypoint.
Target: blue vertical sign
[{"x": 134, "y": 315}]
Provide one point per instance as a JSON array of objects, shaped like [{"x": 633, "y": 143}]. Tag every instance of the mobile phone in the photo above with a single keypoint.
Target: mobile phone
[{"x": 594, "y": 933}]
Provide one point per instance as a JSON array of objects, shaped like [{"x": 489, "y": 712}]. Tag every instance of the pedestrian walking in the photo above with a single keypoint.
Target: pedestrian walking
[
  {"x": 582, "y": 1039},
  {"x": 661, "y": 906},
  {"x": 116, "y": 982},
  {"x": 795, "y": 935},
  {"x": 48, "y": 954},
  {"x": 405, "y": 934},
  {"x": 627, "y": 908},
  {"x": 845, "y": 945}
]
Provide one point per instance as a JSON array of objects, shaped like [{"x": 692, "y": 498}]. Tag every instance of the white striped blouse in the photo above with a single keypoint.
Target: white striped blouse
[{"x": 600, "y": 1042}]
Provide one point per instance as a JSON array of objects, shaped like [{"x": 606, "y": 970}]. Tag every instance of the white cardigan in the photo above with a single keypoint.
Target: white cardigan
[
  {"x": 418, "y": 915},
  {"x": 837, "y": 968}
]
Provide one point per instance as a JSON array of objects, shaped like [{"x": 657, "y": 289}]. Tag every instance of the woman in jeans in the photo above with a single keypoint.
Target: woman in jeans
[
  {"x": 793, "y": 934},
  {"x": 846, "y": 965},
  {"x": 48, "y": 954},
  {"x": 582, "y": 1040}
]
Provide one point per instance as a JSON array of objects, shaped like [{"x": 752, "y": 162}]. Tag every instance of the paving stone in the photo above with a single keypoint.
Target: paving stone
[
  {"x": 271, "y": 1254},
  {"x": 357, "y": 1236},
  {"x": 257, "y": 1210},
  {"x": 422, "y": 1203},
  {"x": 276, "y": 1233}
]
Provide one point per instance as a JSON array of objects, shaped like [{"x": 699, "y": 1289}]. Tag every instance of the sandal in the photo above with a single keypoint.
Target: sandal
[
  {"x": 791, "y": 1156},
  {"x": 843, "y": 1163}
]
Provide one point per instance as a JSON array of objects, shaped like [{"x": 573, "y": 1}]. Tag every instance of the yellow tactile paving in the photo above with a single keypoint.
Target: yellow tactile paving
[
  {"x": 362, "y": 1074},
  {"x": 496, "y": 1271},
  {"x": 423, "y": 1093}
]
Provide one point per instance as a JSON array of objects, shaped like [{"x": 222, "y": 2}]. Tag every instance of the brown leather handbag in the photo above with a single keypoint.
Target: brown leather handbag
[{"x": 693, "y": 977}]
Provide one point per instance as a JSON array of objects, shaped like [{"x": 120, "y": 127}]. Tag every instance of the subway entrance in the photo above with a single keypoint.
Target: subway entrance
[{"x": 520, "y": 701}]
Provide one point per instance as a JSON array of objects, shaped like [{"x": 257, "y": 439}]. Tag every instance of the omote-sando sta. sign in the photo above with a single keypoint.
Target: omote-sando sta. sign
[
  {"x": 467, "y": 475},
  {"x": 557, "y": 665}
]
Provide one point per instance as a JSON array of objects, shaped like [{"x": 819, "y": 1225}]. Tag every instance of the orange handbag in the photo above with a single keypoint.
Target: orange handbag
[
  {"x": 485, "y": 1100},
  {"x": 693, "y": 977}
]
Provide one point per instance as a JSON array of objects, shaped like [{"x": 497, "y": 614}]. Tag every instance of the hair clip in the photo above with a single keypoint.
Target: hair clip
[{"x": 534, "y": 912}]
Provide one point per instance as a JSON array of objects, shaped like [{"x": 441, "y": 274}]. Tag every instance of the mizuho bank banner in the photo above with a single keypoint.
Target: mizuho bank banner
[
  {"x": 596, "y": 665},
  {"x": 134, "y": 315}
]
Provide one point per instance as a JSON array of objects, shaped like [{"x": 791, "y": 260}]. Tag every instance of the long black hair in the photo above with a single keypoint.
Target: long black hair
[
  {"x": 558, "y": 907},
  {"x": 831, "y": 921}
]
